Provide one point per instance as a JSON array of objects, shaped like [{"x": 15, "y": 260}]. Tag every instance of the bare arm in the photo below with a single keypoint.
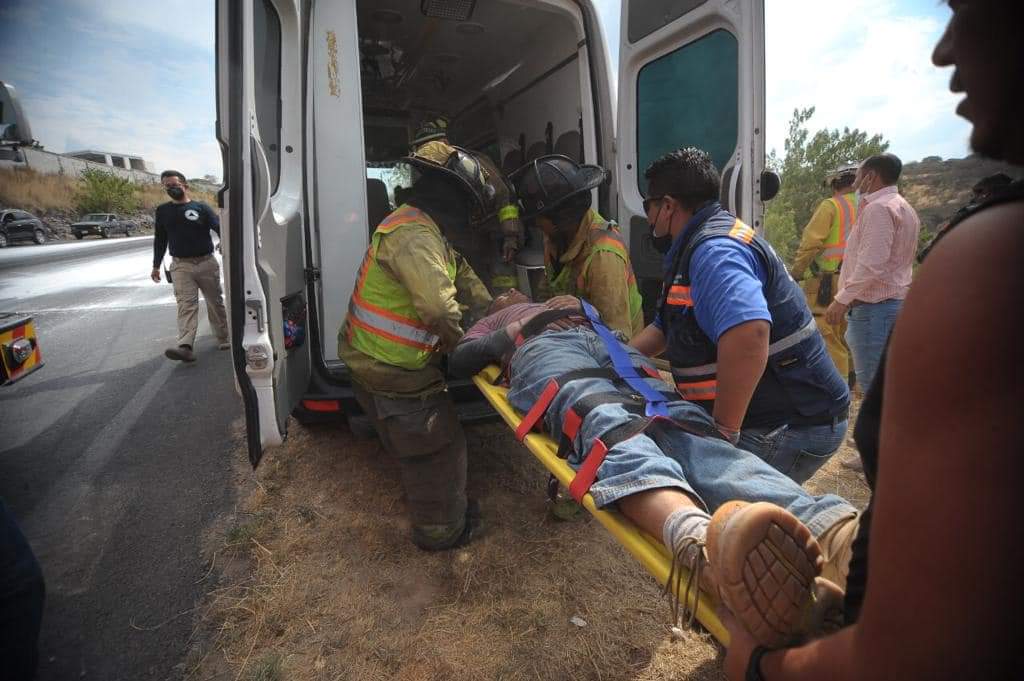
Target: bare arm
[
  {"x": 944, "y": 549},
  {"x": 650, "y": 341},
  {"x": 742, "y": 357}
]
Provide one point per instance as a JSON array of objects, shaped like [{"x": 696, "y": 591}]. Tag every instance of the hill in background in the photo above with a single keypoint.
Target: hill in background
[{"x": 937, "y": 188}]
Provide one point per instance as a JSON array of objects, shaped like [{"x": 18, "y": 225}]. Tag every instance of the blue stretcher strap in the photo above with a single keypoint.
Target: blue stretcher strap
[{"x": 656, "y": 405}]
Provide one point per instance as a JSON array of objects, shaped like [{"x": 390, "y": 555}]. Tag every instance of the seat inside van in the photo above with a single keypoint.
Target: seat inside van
[{"x": 507, "y": 73}]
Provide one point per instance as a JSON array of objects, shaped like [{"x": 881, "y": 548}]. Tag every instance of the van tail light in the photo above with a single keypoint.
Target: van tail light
[{"x": 322, "y": 405}]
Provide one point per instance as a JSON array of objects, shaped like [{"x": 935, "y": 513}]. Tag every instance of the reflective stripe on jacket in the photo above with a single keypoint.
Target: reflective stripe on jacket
[
  {"x": 835, "y": 245},
  {"x": 576, "y": 278},
  {"x": 800, "y": 385},
  {"x": 382, "y": 321}
]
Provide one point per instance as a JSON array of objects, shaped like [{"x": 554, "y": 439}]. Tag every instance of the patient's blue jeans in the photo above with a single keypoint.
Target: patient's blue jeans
[{"x": 709, "y": 470}]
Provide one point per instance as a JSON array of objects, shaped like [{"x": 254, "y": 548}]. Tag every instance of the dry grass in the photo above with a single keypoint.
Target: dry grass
[
  {"x": 319, "y": 580},
  {"x": 36, "y": 192},
  {"x": 42, "y": 194}
]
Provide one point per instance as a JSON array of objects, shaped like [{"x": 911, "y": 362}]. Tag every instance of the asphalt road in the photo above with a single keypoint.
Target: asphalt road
[{"x": 114, "y": 459}]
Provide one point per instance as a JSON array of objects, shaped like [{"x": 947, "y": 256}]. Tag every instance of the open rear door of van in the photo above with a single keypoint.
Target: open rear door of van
[
  {"x": 260, "y": 114},
  {"x": 691, "y": 73}
]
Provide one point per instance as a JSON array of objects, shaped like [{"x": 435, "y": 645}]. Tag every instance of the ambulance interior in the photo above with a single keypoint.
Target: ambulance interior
[{"x": 508, "y": 74}]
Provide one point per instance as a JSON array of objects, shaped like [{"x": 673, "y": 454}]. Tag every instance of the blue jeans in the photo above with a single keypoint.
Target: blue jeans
[
  {"x": 709, "y": 470},
  {"x": 796, "y": 451},
  {"x": 867, "y": 330}
]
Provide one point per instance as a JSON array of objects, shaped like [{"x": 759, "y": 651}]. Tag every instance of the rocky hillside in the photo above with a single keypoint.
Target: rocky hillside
[{"x": 936, "y": 188}]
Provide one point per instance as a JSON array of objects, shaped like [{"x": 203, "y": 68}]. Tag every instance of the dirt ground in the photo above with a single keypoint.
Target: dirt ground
[{"x": 317, "y": 579}]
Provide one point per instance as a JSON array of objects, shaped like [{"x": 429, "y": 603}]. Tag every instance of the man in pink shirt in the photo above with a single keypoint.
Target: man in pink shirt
[{"x": 878, "y": 266}]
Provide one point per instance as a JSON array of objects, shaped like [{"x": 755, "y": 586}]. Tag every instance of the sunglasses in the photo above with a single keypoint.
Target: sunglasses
[{"x": 650, "y": 200}]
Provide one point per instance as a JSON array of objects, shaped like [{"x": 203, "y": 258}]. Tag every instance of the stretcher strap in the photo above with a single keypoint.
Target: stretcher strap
[
  {"x": 539, "y": 322},
  {"x": 540, "y": 407},
  {"x": 587, "y": 473},
  {"x": 656, "y": 405},
  {"x": 537, "y": 410}
]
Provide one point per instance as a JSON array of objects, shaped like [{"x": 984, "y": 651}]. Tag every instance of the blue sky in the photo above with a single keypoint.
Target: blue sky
[{"x": 137, "y": 76}]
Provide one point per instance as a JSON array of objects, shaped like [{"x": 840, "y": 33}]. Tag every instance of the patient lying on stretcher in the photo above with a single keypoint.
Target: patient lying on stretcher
[{"x": 661, "y": 462}]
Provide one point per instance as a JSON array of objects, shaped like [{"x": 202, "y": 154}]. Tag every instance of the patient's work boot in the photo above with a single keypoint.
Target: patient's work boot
[
  {"x": 766, "y": 563},
  {"x": 182, "y": 353},
  {"x": 837, "y": 547}
]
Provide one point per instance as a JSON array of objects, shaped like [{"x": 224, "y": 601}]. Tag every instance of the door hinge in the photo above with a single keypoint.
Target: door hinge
[{"x": 312, "y": 274}]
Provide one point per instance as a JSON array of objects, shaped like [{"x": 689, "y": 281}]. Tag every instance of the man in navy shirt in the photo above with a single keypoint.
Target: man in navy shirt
[
  {"x": 735, "y": 326},
  {"x": 185, "y": 225}
]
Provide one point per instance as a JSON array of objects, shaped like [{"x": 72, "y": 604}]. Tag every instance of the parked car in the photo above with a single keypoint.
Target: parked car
[
  {"x": 103, "y": 225},
  {"x": 18, "y": 225}
]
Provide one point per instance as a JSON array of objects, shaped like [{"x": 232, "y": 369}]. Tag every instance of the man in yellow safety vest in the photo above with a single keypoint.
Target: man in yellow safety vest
[
  {"x": 405, "y": 311},
  {"x": 584, "y": 254},
  {"x": 817, "y": 262}
]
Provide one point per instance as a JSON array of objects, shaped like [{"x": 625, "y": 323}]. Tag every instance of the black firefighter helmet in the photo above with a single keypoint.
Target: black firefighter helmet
[
  {"x": 548, "y": 182},
  {"x": 460, "y": 166}
]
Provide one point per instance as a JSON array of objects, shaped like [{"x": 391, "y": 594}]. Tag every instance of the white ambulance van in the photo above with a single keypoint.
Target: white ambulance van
[{"x": 317, "y": 99}]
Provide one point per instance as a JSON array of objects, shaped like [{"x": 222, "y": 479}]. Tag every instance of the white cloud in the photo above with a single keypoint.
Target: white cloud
[
  {"x": 866, "y": 65},
  {"x": 188, "y": 21}
]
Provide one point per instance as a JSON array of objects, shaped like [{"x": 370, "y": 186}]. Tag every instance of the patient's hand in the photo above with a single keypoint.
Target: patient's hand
[{"x": 565, "y": 303}]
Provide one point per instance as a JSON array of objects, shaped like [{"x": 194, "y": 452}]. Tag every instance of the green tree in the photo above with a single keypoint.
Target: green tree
[
  {"x": 808, "y": 158},
  {"x": 103, "y": 192}
]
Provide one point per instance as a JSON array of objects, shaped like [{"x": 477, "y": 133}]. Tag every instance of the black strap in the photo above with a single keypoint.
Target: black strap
[
  {"x": 539, "y": 322},
  {"x": 754, "y": 665}
]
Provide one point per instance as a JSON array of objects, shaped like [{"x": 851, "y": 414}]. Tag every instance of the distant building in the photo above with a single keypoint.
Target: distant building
[{"x": 110, "y": 158}]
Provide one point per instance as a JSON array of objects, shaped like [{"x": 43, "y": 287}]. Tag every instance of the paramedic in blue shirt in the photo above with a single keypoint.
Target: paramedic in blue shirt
[{"x": 735, "y": 327}]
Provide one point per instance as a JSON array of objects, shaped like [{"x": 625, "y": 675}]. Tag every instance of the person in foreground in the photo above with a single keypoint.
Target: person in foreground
[
  {"x": 667, "y": 474},
  {"x": 940, "y": 429}
]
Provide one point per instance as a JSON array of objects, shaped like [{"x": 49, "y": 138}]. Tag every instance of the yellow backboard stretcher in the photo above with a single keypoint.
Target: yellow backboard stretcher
[{"x": 649, "y": 551}]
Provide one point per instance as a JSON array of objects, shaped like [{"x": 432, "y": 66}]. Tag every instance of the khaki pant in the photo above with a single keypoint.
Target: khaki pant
[
  {"x": 835, "y": 340},
  {"x": 426, "y": 439},
  {"x": 190, "y": 276}
]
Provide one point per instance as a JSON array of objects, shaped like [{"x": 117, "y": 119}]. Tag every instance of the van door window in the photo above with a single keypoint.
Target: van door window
[
  {"x": 267, "y": 39},
  {"x": 689, "y": 98}
]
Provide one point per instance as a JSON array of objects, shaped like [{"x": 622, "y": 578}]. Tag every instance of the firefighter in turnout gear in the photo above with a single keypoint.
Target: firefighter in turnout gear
[
  {"x": 584, "y": 254},
  {"x": 817, "y": 262},
  {"x": 410, "y": 297},
  {"x": 503, "y": 228}
]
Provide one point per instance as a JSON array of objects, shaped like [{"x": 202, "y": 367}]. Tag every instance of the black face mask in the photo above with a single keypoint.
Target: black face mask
[
  {"x": 661, "y": 244},
  {"x": 175, "y": 192}
]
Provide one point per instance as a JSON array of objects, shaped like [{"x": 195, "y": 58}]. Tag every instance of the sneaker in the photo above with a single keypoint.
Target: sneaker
[
  {"x": 766, "y": 563},
  {"x": 223, "y": 345},
  {"x": 182, "y": 353}
]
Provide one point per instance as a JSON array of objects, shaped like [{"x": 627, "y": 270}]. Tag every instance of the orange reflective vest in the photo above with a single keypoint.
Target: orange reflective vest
[
  {"x": 382, "y": 321},
  {"x": 575, "y": 280},
  {"x": 843, "y": 219}
]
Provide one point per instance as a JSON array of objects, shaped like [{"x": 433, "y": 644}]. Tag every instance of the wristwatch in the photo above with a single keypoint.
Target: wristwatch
[{"x": 754, "y": 665}]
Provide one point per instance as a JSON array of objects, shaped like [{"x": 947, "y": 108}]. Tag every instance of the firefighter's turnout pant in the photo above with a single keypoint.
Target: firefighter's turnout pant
[
  {"x": 427, "y": 441},
  {"x": 835, "y": 341},
  {"x": 190, "y": 276}
]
